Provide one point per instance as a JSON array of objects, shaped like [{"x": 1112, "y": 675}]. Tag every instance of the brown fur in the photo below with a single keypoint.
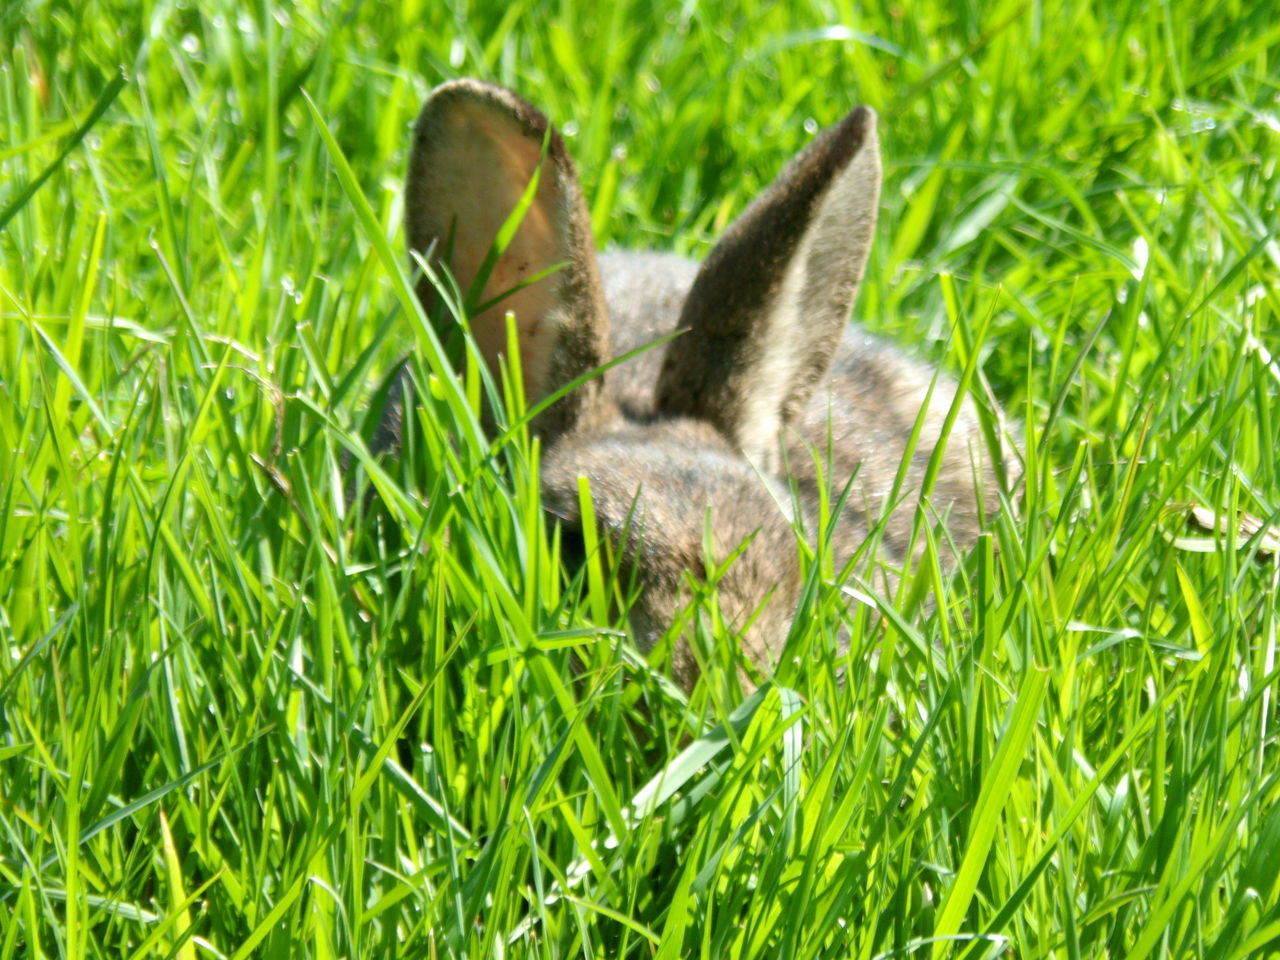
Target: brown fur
[{"x": 767, "y": 370}]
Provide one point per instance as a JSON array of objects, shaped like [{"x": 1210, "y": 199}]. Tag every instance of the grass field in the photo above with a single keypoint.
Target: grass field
[{"x": 243, "y": 715}]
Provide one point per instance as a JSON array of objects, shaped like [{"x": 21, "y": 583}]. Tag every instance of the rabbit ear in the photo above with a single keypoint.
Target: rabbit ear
[
  {"x": 770, "y": 303},
  {"x": 476, "y": 147}
]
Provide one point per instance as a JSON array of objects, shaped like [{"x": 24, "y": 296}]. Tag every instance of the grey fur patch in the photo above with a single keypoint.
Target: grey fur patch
[{"x": 767, "y": 362}]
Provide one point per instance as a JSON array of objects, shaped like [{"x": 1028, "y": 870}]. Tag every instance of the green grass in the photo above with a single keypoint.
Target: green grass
[{"x": 241, "y": 716}]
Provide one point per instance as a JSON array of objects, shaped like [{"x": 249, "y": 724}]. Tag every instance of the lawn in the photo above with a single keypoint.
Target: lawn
[{"x": 264, "y": 695}]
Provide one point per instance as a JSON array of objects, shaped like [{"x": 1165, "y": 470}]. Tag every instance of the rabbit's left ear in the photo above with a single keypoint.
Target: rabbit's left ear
[
  {"x": 476, "y": 149},
  {"x": 769, "y": 305}
]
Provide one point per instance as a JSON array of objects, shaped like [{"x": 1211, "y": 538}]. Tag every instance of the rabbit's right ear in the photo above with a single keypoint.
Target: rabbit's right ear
[
  {"x": 476, "y": 148},
  {"x": 771, "y": 301}
]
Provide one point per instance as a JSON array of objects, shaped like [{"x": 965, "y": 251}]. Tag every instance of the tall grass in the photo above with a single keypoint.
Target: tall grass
[{"x": 246, "y": 713}]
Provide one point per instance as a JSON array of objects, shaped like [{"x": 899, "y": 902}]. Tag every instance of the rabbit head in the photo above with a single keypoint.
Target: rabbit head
[{"x": 684, "y": 446}]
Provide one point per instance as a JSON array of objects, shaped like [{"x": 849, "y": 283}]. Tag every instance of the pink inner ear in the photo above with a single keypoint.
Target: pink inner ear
[{"x": 482, "y": 169}]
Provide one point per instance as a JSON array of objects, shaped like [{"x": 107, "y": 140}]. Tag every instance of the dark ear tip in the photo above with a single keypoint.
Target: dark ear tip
[
  {"x": 477, "y": 91},
  {"x": 489, "y": 96},
  {"x": 862, "y": 122},
  {"x": 853, "y": 136}
]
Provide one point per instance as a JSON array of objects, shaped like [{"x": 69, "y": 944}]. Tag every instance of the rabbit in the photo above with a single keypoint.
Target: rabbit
[{"x": 722, "y": 418}]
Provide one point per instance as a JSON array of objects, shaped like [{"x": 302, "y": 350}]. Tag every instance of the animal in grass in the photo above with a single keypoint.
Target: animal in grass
[{"x": 766, "y": 386}]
